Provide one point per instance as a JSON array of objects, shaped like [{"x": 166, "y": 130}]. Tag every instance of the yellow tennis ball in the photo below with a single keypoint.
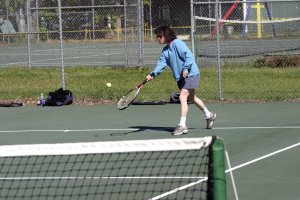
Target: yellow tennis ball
[{"x": 108, "y": 84}]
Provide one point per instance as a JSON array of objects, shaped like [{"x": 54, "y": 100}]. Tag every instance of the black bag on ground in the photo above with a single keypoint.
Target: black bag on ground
[
  {"x": 174, "y": 97},
  {"x": 59, "y": 97}
]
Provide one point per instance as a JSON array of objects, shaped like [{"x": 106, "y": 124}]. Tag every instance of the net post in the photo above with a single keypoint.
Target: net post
[{"x": 219, "y": 177}]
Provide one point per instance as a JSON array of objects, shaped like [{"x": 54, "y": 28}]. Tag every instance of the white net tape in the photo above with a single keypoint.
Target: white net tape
[{"x": 105, "y": 147}]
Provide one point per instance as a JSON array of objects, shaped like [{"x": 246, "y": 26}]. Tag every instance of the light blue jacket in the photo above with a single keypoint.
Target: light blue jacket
[{"x": 178, "y": 57}]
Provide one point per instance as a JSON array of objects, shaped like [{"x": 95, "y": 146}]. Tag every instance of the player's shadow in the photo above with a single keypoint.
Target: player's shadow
[{"x": 146, "y": 128}]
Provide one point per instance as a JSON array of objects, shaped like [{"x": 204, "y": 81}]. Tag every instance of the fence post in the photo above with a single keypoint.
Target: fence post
[
  {"x": 218, "y": 48},
  {"x": 28, "y": 13},
  {"x": 141, "y": 32},
  {"x": 193, "y": 30},
  {"x": 61, "y": 46}
]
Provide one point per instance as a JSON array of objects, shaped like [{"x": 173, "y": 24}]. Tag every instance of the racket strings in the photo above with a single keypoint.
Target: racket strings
[{"x": 127, "y": 99}]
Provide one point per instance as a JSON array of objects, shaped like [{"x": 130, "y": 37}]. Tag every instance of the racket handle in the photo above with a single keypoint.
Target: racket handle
[{"x": 144, "y": 82}]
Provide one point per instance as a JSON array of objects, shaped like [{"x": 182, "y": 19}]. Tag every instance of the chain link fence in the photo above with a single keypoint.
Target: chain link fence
[
  {"x": 93, "y": 32},
  {"x": 242, "y": 33},
  {"x": 246, "y": 29},
  {"x": 40, "y": 33}
]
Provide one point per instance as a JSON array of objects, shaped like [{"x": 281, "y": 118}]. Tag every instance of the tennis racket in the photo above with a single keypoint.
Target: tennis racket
[
  {"x": 130, "y": 96},
  {"x": 10, "y": 104}
]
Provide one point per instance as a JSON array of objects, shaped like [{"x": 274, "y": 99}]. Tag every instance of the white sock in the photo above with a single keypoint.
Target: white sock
[
  {"x": 206, "y": 113},
  {"x": 182, "y": 121}
]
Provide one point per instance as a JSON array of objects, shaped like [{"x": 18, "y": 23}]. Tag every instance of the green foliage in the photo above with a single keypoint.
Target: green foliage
[
  {"x": 146, "y": 2},
  {"x": 278, "y": 61},
  {"x": 43, "y": 33}
]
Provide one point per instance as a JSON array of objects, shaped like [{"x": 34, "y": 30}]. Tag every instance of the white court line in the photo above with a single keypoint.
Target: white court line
[
  {"x": 79, "y": 130},
  {"x": 257, "y": 127},
  {"x": 262, "y": 157},
  {"x": 136, "y": 129},
  {"x": 178, "y": 189},
  {"x": 226, "y": 171},
  {"x": 102, "y": 177}
]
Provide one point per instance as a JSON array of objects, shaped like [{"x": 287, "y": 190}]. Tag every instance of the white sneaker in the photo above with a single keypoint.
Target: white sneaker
[
  {"x": 179, "y": 130},
  {"x": 210, "y": 121}
]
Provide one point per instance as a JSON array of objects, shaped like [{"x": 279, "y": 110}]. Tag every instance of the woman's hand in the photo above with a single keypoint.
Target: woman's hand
[
  {"x": 149, "y": 77},
  {"x": 185, "y": 74}
]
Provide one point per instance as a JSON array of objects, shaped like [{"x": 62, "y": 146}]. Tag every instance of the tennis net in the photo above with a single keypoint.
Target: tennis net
[{"x": 137, "y": 169}]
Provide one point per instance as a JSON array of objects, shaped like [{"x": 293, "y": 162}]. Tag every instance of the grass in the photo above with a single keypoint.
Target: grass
[{"x": 88, "y": 84}]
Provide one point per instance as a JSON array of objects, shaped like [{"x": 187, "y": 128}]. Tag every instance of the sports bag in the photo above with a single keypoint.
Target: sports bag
[{"x": 59, "y": 97}]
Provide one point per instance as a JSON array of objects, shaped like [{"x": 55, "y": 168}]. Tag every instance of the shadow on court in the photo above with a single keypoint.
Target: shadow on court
[
  {"x": 140, "y": 129},
  {"x": 146, "y": 129}
]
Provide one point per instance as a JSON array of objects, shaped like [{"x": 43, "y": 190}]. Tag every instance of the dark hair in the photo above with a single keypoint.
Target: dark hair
[{"x": 166, "y": 31}]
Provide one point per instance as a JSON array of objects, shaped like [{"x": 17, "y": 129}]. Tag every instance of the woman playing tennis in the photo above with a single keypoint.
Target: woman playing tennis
[{"x": 180, "y": 59}]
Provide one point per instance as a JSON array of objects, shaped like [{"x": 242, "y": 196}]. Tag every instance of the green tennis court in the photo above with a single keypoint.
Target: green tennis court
[{"x": 262, "y": 139}]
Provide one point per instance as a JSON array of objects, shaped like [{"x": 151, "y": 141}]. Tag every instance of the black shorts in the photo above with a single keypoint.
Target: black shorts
[{"x": 191, "y": 82}]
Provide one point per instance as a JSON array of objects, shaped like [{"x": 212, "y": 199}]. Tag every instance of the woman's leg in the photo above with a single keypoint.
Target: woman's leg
[
  {"x": 181, "y": 128},
  {"x": 184, "y": 95},
  {"x": 209, "y": 116},
  {"x": 199, "y": 103}
]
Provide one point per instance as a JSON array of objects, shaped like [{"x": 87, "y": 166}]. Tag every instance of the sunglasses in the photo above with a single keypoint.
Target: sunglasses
[{"x": 159, "y": 36}]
